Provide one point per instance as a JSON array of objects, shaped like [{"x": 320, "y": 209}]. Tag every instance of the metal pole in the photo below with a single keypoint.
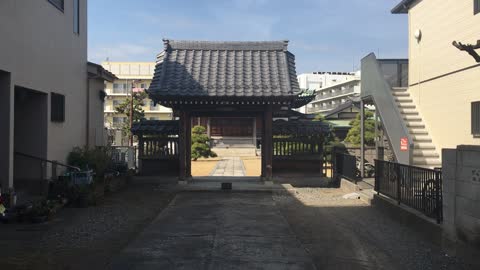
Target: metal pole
[
  {"x": 362, "y": 139},
  {"x": 131, "y": 114}
]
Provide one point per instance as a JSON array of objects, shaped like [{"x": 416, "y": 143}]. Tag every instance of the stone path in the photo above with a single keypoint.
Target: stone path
[
  {"x": 229, "y": 166},
  {"x": 220, "y": 231}
]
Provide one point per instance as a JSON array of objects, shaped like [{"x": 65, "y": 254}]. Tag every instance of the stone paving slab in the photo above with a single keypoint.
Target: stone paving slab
[
  {"x": 225, "y": 231},
  {"x": 229, "y": 166}
]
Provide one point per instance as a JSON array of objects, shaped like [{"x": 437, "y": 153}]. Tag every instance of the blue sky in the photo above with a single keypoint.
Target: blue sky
[{"x": 325, "y": 35}]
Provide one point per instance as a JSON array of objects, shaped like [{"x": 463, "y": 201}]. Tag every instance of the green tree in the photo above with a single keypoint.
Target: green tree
[
  {"x": 200, "y": 143},
  {"x": 138, "y": 112},
  {"x": 353, "y": 135}
]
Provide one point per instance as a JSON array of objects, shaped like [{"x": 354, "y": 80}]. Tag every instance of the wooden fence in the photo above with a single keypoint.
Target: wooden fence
[
  {"x": 158, "y": 147},
  {"x": 294, "y": 147}
]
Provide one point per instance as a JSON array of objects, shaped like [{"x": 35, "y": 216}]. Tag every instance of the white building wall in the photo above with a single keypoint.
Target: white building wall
[
  {"x": 440, "y": 84},
  {"x": 126, "y": 73},
  {"x": 320, "y": 80},
  {"x": 40, "y": 51}
]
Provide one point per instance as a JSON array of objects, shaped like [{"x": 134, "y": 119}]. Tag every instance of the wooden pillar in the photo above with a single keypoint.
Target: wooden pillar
[
  {"x": 182, "y": 150},
  {"x": 268, "y": 143},
  {"x": 188, "y": 147}
]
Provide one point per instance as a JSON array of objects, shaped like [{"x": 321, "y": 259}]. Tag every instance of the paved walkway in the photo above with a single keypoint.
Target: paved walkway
[
  {"x": 229, "y": 166},
  {"x": 224, "y": 231}
]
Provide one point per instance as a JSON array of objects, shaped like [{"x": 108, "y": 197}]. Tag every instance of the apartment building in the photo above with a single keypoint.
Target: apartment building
[
  {"x": 331, "y": 97},
  {"x": 48, "y": 94},
  {"x": 444, "y": 80},
  {"x": 136, "y": 74},
  {"x": 324, "y": 83}
]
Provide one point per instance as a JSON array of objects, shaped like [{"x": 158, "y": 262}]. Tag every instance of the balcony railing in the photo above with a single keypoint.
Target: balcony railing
[{"x": 337, "y": 93}]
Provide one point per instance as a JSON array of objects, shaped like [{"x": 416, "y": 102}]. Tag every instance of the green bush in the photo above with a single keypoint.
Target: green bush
[
  {"x": 98, "y": 159},
  {"x": 353, "y": 136},
  {"x": 201, "y": 144}
]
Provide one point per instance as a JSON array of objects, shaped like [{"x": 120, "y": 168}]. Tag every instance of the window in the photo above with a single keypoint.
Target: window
[
  {"x": 57, "y": 107},
  {"x": 143, "y": 86},
  {"x": 476, "y": 7},
  {"x": 116, "y": 103},
  {"x": 476, "y": 118},
  {"x": 120, "y": 88},
  {"x": 60, "y": 4},
  {"x": 76, "y": 16}
]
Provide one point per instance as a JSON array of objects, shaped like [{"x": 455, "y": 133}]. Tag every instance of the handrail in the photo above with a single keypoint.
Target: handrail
[
  {"x": 48, "y": 161},
  {"x": 376, "y": 87}
]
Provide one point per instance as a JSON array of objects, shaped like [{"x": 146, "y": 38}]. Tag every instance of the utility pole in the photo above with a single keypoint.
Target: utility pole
[
  {"x": 131, "y": 113},
  {"x": 131, "y": 109}
]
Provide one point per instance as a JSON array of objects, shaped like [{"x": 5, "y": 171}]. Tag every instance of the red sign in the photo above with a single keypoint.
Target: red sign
[{"x": 404, "y": 144}]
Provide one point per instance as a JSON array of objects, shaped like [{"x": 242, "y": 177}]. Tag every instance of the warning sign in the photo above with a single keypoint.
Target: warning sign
[{"x": 404, "y": 144}]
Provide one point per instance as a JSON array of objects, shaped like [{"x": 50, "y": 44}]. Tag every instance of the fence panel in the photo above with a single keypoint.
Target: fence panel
[
  {"x": 158, "y": 148},
  {"x": 416, "y": 187},
  {"x": 346, "y": 166}
]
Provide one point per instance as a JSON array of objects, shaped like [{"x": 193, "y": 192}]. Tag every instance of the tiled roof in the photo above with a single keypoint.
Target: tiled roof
[
  {"x": 299, "y": 128},
  {"x": 224, "y": 69},
  {"x": 156, "y": 127}
]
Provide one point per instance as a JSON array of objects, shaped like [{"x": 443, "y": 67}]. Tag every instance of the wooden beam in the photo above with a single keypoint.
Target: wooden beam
[
  {"x": 268, "y": 142},
  {"x": 182, "y": 152},
  {"x": 188, "y": 147}
]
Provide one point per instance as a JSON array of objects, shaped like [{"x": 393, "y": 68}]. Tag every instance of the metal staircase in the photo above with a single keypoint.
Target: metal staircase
[
  {"x": 424, "y": 151},
  {"x": 384, "y": 82}
]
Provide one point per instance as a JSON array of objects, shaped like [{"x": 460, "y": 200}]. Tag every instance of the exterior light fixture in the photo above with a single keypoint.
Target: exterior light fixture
[{"x": 418, "y": 35}]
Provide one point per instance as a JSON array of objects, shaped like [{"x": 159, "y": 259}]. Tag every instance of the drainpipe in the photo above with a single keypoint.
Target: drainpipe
[{"x": 87, "y": 131}]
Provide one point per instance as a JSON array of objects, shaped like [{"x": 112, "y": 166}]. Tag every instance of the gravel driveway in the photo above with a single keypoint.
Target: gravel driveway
[
  {"x": 82, "y": 238},
  {"x": 349, "y": 234}
]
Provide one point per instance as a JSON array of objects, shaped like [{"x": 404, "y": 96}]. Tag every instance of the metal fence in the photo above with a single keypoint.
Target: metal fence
[
  {"x": 125, "y": 155},
  {"x": 345, "y": 166},
  {"x": 416, "y": 187}
]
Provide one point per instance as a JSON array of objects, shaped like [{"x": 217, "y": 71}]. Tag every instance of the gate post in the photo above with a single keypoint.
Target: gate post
[{"x": 438, "y": 194}]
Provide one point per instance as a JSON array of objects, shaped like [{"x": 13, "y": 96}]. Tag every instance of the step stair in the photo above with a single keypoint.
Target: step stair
[{"x": 425, "y": 153}]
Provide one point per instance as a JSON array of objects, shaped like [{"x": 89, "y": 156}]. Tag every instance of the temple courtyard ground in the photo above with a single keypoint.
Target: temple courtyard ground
[{"x": 147, "y": 227}]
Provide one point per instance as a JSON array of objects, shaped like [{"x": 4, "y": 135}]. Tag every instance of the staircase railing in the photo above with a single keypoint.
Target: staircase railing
[
  {"x": 43, "y": 165},
  {"x": 377, "y": 86}
]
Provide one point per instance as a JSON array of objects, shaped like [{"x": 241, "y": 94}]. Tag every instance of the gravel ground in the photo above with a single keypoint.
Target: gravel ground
[
  {"x": 348, "y": 234},
  {"x": 84, "y": 238}
]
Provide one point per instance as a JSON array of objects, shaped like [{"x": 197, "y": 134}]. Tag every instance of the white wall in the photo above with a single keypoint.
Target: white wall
[
  {"x": 41, "y": 52},
  {"x": 444, "y": 101}
]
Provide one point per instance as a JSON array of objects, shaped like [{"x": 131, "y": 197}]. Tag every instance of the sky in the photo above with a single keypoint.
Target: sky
[{"x": 324, "y": 35}]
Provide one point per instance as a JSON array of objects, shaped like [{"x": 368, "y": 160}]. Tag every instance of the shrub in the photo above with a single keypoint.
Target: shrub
[
  {"x": 201, "y": 143},
  {"x": 98, "y": 159}
]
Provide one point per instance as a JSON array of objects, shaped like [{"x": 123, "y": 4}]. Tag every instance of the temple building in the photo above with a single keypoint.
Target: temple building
[{"x": 236, "y": 90}]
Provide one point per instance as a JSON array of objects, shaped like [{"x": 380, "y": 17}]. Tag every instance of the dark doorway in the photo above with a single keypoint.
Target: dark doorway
[
  {"x": 231, "y": 127},
  {"x": 5, "y": 130},
  {"x": 30, "y": 138}
]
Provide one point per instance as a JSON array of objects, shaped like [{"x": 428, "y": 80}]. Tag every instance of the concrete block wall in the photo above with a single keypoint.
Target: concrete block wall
[{"x": 461, "y": 194}]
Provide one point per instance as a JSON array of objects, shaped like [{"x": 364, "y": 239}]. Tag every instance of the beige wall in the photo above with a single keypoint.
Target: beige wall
[
  {"x": 41, "y": 52},
  {"x": 444, "y": 103},
  {"x": 96, "y": 134}
]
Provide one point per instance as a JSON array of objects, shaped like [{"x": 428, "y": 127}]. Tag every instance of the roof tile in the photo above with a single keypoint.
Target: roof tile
[{"x": 202, "y": 68}]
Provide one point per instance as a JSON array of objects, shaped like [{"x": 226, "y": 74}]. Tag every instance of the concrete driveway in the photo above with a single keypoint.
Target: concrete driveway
[{"x": 216, "y": 231}]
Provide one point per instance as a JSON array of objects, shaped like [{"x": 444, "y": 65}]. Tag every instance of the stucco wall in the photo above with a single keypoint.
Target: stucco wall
[
  {"x": 96, "y": 129},
  {"x": 461, "y": 193},
  {"x": 42, "y": 53},
  {"x": 444, "y": 103}
]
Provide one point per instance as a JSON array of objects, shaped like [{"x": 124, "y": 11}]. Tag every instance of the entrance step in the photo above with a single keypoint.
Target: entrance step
[{"x": 235, "y": 152}]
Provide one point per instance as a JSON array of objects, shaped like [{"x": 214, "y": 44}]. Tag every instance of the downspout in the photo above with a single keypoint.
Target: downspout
[{"x": 87, "y": 131}]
